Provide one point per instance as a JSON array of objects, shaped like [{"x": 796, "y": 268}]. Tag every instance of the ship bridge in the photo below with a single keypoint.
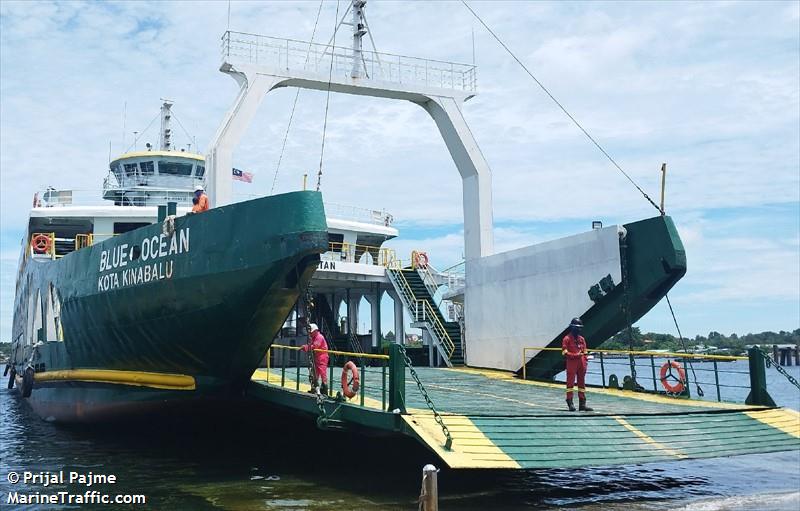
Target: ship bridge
[
  {"x": 151, "y": 178},
  {"x": 155, "y": 176}
]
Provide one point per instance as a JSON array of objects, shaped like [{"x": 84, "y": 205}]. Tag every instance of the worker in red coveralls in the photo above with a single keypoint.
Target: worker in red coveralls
[
  {"x": 317, "y": 342},
  {"x": 573, "y": 347}
]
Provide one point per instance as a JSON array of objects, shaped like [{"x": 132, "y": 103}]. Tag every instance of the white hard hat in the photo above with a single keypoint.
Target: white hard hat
[
  {"x": 198, "y": 188},
  {"x": 313, "y": 327}
]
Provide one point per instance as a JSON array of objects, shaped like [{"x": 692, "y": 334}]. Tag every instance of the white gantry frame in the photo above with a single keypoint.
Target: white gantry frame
[{"x": 260, "y": 64}]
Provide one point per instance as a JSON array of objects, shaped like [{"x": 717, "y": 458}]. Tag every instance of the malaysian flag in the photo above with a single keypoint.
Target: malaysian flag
[{"x": 241, "y": 175}]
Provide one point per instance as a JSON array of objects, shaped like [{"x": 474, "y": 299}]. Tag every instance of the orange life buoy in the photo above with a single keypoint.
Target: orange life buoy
[
  {"x": 350, "y": 383},
  {"x": 41, "y": 243},
  {"x": 667, "y": 375}
]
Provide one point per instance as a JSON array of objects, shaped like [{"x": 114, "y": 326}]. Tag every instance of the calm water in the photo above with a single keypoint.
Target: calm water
[{"x": 247, "y": 460}]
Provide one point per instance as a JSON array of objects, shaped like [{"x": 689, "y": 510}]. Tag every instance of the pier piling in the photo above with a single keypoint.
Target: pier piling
[
  {"x": 429, "y": 495},
  {"x": 782, "y": 355}
]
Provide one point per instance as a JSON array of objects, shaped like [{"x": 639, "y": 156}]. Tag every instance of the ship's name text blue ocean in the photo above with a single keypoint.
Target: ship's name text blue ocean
[{"x": 151, "y": 257}]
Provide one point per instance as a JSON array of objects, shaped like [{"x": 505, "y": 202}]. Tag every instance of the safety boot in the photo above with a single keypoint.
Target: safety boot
[
  {"x": 324, "y": 389},
  {"x": 582, "y": 406},
  {"x": 570, "y": 405}
]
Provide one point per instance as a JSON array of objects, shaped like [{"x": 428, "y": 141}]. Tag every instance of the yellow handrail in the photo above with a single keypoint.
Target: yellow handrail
[
  {"x": 83, "y": 240},
  {"x": 381, "y": 256},
  {"x": 335, "y": 352},
  {"x": 451, "y": 347},
  {"x": 406, "y": 287},
  {"x": 426, "y": 308},
  {"x": 668, "y": 354}
]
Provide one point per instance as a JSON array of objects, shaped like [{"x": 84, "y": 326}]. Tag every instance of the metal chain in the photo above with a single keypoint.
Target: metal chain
[
  {"x": 778, "y": 367},
  {"x": 438, "y": 418},
  {"x": 308, "y": 306}
]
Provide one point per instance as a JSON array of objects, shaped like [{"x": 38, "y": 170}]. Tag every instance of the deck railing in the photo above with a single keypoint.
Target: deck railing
[
  {"x": 293, "y": 55},
  {"x": 421, "y": 311},
  {"x": 656, "y": 372},
  {"x": 385, "y": 376},
  {"x": 361, "y": 254}
]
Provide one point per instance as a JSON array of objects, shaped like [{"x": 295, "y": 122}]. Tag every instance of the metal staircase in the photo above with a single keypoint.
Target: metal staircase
[
  {"x": 335, "y": 337},
  {"x": 416, "y": 291}
]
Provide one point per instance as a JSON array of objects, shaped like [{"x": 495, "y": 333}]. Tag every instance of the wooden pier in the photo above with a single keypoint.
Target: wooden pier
[
  {"x": 783, "y": 355},
  {"x": 498, "y": 421}
]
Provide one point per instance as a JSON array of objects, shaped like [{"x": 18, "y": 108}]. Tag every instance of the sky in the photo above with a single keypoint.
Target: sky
[{"x": 710, "y": 88}]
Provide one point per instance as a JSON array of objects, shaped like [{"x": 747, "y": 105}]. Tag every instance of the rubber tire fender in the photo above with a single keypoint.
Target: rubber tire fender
[
  {"x": 11, "y": 378},
  {"x": 27, "y": 382}
]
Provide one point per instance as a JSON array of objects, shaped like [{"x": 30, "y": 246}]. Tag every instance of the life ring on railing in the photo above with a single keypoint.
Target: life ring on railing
[
  {"x": 420, "y": 260},
  {"x": 350, "y": 383},
  {"x": 666, "y": 374},
  {"x": 40, "y": 243}
]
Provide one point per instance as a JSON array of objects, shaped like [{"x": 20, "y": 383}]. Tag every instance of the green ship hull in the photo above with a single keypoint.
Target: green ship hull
[{"x": 168, "y": 313}]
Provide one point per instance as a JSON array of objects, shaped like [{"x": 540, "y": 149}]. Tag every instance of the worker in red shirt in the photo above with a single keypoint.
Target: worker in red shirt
[
  {"x": 573, "y": 347},
  {"x": 316, "y": 341}
]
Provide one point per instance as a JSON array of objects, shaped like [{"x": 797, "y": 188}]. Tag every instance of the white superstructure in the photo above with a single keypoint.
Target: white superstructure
[{"x": 260, "y": 64}]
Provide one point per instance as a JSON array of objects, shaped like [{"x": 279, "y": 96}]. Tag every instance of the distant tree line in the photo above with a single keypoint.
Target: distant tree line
[
  {"x": 5, "y": 351},
  {"x": 733, "y": 343}
]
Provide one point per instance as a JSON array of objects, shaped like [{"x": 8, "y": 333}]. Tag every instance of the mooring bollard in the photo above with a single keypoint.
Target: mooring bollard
[{"x": 429, "y": 495}]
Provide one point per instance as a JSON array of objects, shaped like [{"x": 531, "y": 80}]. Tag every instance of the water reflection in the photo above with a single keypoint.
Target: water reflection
[{"x": 246, "y": 458}]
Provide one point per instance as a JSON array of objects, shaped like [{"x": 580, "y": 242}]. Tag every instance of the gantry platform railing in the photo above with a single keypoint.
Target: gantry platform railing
[{"x": 290, "y": 54}]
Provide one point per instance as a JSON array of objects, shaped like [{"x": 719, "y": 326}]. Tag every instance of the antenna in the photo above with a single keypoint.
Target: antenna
[
  {"x": 359, "y": 31},
  {"x": 166, "y": 130},
  {"x": 124, "y": 119},
  {"x": 135, "y": 138},
  {"x": 473, "y": 45}
]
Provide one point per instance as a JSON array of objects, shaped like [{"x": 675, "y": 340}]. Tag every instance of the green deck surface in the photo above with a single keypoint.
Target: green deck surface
[{"x": 497, "y": 421}]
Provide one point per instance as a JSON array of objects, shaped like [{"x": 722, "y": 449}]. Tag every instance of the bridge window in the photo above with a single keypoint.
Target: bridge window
[
  {"x": 131, "y": 169},
  {"x": 175, "y": 169},
  {"x": 200, "y": 171},
  {"x": 148, "y": 168}
]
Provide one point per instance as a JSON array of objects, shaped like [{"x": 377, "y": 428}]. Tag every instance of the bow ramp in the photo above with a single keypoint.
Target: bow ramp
[
  {"x": 474, "y": 418},
  {"x": 498, "y": 421}
]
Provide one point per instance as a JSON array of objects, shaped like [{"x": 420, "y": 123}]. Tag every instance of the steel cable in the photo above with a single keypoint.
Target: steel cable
[
  {"x": 563, "y": 109},
  {"x": 327, "y": 100},
  {"x": 685, "y": 349},
  {"x": 294, "y": 104}
]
